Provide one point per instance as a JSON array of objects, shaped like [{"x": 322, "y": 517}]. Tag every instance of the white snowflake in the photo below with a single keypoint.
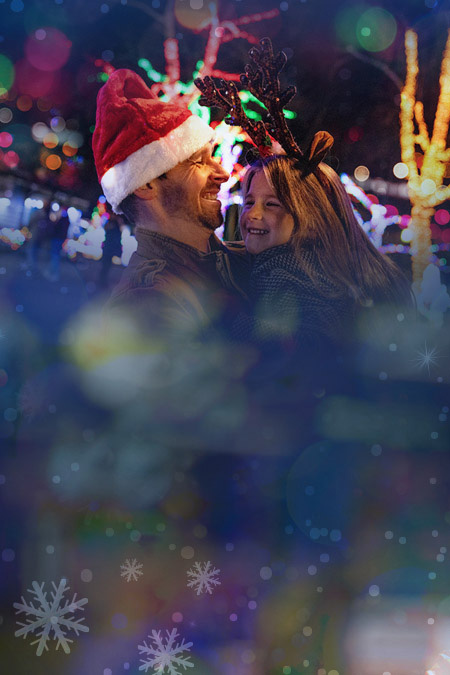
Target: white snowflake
[
  {"x": 131, "y": 569},
  {"x": 50, "y": 616},
  {"x": 165, "y": 654},
  {"x": 203, "y": 578}
]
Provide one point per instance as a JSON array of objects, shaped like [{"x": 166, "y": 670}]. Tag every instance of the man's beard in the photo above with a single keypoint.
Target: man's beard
[
  {"x": 210, "y": 222},
  {"x": 176, "y": 202}
]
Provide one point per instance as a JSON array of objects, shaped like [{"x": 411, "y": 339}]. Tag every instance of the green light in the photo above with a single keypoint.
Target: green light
[
  {"x": 376, "y": 29},
  {"x": 201, "y": 111},
  {"x": 6, "y": 74},
  {"x": 152, "y": 74},
  {"x": 253, "y": 115},
  {"x": 290, "y": 114},
  {"x": 102, "y": 77},
  {"x": 198, "y": 66}
]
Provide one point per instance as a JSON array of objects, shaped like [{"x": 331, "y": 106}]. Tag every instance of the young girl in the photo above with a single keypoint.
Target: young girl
[{"x": 314, "y": 268}]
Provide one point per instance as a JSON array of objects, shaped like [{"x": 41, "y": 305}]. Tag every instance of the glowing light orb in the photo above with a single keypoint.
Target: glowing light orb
[
  {"x": 39, "y": 130},
  {"x": 50, "y": 140},
  {"x": 428, "y": 187},
  {"x": 31, "y": 81},
  {"x": 6, "y": 74},
  {"x": 11, "y": 159},
  {"x": 48, "y": 49},
  {"x": 5, "y": 115},
  {"x": 442, "y": 216},
  {"x": 407, "y": 235},
  {"x": 345, "y": 26},
  {"x": 58, "y": 124},
  {"x": 53, "y": 162},
  {"x": 69, "y": 150},
  {"x": 400, "y": 170},
  {"x": 5, "y": 139},
  {"x": 195, "y": 15},
  {"x": 361, "y": 173},
  {"x": 376, "y": 29},
  {"x": 24, "y": 102}
]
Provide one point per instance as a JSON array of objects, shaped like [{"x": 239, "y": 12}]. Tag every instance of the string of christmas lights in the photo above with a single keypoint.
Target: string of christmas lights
[{"x": 426, "y": 189}]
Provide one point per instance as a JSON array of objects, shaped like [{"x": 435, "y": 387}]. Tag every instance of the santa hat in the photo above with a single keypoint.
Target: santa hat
[{"x": 138, "y": 136}]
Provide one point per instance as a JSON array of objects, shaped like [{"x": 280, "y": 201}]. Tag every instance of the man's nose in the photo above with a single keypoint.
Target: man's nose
[{"x": 219, "y": 174}]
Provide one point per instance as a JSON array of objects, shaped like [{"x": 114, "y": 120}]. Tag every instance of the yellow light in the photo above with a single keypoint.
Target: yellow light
[
  {"x": 400, "y": 170},
  {"x": 361, "y": 173},
  {"x": 428, "y": 187},
  {"x": 425, "y": 180}
]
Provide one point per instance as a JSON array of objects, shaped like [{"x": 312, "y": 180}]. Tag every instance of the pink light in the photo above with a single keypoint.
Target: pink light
[
  {"x": 442, "y": 216},
  {"x": 5, "y": 139},
  {"x": 48, "y": 49},
  {"x": 11, "y": 159},
  {"x": 172, "y": 57},
  {"x": 255, "y": 18}
]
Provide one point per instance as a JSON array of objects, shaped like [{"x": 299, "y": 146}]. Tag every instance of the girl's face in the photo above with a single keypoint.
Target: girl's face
[{"x": 264, "y": 220}]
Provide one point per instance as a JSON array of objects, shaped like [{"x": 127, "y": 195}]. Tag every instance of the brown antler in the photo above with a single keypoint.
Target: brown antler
[
  {"x": 226, "y": 96},
  {"x": 261, "y": 78}
]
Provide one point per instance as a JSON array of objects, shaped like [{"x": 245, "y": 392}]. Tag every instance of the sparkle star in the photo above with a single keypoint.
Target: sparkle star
[{"x": 426, "y": 358}]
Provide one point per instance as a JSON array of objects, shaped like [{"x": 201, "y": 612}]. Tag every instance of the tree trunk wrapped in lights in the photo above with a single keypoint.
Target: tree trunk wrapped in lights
[{"x": 426, "y": 188}]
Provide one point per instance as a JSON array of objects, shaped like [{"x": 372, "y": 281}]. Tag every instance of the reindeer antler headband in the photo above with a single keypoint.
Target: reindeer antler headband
[{"x": 261, "y": 79}]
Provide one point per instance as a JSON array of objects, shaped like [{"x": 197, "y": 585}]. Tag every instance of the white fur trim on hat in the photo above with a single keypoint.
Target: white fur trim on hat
[{"x": 154, "y": 159}]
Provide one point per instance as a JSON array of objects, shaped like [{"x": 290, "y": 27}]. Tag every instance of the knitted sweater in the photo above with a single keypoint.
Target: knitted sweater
[{"x": 289, "y": 307}]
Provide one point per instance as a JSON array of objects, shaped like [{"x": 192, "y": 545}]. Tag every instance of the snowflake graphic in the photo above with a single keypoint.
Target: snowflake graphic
[
  {"x": 131, "y": 569},
  {"x": 55, "y": 615},
  {"x": 426, "y": 358},
  {"x": 165, "y": 654},
  {"x": 203, "y": 578}
]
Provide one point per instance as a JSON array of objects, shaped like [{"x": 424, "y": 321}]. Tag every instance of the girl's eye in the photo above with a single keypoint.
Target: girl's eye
[{"x": 272, "y": 204}]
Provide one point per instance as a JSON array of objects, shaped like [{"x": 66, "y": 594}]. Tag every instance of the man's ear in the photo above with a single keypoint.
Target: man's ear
[{"x": 146, "y": 192}]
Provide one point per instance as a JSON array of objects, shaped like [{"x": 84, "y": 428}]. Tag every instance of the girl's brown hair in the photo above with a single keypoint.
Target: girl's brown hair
[{"x": 324, "y": 219}]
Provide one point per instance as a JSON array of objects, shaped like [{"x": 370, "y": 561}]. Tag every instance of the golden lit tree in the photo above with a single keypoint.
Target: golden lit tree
[{"x": 426, "y": 180}]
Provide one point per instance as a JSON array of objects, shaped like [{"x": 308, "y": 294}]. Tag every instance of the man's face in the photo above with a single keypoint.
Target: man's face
[{"x": 190, "y": 189}]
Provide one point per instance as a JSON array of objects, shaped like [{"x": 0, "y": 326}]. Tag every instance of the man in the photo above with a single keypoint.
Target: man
[{"x": 155, "y": 164}]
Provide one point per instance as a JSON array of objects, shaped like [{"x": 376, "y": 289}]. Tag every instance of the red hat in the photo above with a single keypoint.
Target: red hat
[{"x": 138, "y": 136}]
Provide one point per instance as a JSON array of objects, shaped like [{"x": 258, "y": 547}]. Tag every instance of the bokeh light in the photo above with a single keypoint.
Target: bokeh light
[
  {"x": 39, "y": 130},
  {"x": 24, "y": 103},
  {"x": 69, "y": 150},
  {"x": 5, "y": 139},
  {"x": 195, "y": 15},
  {"x": 32, "y": 81},
  {"x": 376, "y": 29},
  {"x": 5, "y": 115},
  {"x": 400, "y": 170},
  {"x": 361, "y": 173},
  {"x": 48, "y": 49},
  {"x": 53, "y": 162},
  {"x": 442, "y": 216},
  {"x": 11, "y": 159},
  {"x": 345, "y": 26},
  {"x": 6, "y": 74},
  {"x": 50, "y": 140}
]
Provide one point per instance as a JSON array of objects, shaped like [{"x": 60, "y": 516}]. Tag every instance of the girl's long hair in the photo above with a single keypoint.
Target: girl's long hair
[{"x": 324, "y": 220}]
